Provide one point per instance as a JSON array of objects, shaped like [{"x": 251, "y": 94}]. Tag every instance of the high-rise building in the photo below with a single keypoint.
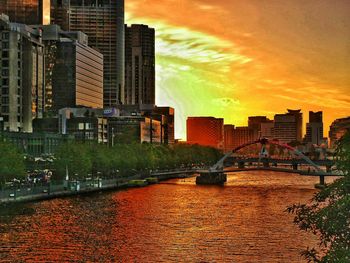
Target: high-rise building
[
  {"x": 338, "y": 129},
  {"x": 267, "y": 129},
  {"x": 255, "y": 122},
  {"x": 103, "y": 22},
  {"x": 242, "y": 135},
  {"x": 139, "y": 65},
  {"x": 28, "y": 12},
  {"x": 168, "y": 126},
  {"x": 206, "y": 131},
  {"x": 74, "y": 71},
  {"x": 22, "y": 75},
  {"x": 288, "y": 127},
  {"x": 228, "y": 137},
  {"x": 314, "y": 128}
]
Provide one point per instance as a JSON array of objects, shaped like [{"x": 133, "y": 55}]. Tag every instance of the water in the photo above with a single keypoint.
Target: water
[{"x": 175, "y": 221}]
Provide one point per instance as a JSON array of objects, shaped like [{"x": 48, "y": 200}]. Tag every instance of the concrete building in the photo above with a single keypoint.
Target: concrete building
[
  {"x": 255, "y": 122},
  {"x": 106, "y": 126},
  {"x": 242, "y": 135},
  {"x": 267, "y": 129},
  {"x": 139, "y": 65},
  {"x": 103, "y": 22},
  {"x": 338, "y": 129},
  {"x": 206, "y": 131},
  {"x": 22, "y": 75},
  {"x": 30, "y": 12},
  {"x": 229, "y": 144},
  {"x": 35, "y": 144},
  {"x": 288, "y": 127},
  {"x": 74, "y": 71},
  {"x": 167, "y": 115},
  {"x": 314, "y": 128}
]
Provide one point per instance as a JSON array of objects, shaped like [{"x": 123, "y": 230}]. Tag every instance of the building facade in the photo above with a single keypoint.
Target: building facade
[
  {"x": 30, "y": 12},
  {"x": 229, "y": 144},
  {"x": 338, "y": 129},
  {"x": 167, "y": 117},
  {"x": 73, "y": 70},
  {"x": 139, "y": 65},
  {"x": 22, "y": 75},
  {"x": 103, "y": 22},
  {"x": 206, "y": 131},
  {"x": 288, "y": 127},
  {"x": 314, "y": 128}
]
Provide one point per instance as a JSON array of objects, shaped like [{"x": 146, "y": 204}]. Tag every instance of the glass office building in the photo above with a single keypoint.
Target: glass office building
[{"x": 103, "y": 22}]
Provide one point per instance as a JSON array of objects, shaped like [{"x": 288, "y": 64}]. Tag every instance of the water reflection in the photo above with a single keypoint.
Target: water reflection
[{"x": 175, "y": 221}]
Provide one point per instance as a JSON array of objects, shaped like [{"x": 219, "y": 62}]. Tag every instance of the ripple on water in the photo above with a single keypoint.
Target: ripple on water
[{"x": 175, "y": 221}]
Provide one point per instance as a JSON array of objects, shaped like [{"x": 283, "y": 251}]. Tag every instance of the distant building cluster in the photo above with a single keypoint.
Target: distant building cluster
[
  {"x": 286, "y": 128},
  {"x": 74, "y": 68}
]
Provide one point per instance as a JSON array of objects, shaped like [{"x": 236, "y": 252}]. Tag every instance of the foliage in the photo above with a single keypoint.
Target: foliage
[
  {"x": 127, "y": 159},
  {"x": 76, "y": 157},
  {"x": 11, "y": 162},
  {"x": 328, "y": 216}
]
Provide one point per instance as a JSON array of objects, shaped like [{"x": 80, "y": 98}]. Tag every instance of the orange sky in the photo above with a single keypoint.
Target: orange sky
[{"x": 237, "y": 58}]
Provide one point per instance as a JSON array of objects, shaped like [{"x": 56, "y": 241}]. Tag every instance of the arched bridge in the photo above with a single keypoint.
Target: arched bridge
[{"x": 215, "y": 174}]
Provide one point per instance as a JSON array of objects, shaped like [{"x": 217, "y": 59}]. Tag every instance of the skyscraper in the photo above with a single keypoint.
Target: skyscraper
[
  {"x": 288, "y": 127},
  {"x": 103, "y": 22},
  {"x": 338, "y": 129},
  {"x": 28, "y": 12},
  {"x": 314, "y": 128},
  {"x": 22, "y": 75},
  {"x": 206, "y": 131},
  {"x": 74, "y": 71},
  {"x": 139, "y": 65}
]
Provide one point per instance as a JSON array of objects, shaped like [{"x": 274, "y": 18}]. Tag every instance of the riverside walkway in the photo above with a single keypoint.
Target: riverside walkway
[{"x": 46, "y": 191}]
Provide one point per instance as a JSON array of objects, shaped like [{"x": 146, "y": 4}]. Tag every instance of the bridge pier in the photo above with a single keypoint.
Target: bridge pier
[
  {"x": 322, "y": 182},
  {"x": 266, "y": 164},
  {"x": 241, "y": 165},
  {"x": 295, "y": 166},
  {"x": 211, "y": 178}
]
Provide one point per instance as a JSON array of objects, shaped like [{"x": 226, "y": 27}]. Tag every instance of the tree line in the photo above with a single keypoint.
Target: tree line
[{"x": 83, "y": 160}]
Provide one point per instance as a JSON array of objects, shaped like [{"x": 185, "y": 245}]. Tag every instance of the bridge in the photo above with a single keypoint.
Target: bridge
[{"x": 217, "y": 173}]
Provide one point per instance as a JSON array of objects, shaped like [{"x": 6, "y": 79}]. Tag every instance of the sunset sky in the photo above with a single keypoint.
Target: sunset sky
[{"x": 237, "y": 58}]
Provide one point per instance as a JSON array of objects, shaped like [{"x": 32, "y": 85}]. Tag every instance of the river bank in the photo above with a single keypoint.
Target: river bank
[{"x": 70, "y": 188}]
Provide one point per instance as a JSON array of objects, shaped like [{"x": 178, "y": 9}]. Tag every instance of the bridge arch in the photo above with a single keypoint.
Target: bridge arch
[{"x": 220, "y": 164}]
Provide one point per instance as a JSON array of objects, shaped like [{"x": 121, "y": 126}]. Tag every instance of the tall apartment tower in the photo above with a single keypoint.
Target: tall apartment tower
[
  {"x": 288, "y": 127},
  {"x": 28, "y": 12},
  {"x": 103, "y": 22},
  {"x": 74, "y": 71},
  {"x": 314, "y": 128},
  {"x": 139, "y": 65},
  {"x": 22, "y": 75},
  {"x": 206, "y": 131}
]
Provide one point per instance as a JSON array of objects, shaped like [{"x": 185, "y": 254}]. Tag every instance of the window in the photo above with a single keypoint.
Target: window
[
  {"x": 5, "y": 72},
  {"x": 5, "y": 35},
  {"x": 5, "y": 63},
  {"x": 5, "y": 45},
  {"x": 5, "y": 91},
  {"x": 5, "y": 54},
  {"x": 5, "y": 109},
  {"x": 5, "y": 100},
  {"x": 5, "y": 82}
]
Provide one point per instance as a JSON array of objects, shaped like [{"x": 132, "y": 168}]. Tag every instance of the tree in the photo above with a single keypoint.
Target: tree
[
  {"x": 328, "y": 216},
  {"x": 74, "y": 156},
  {"x": 11, "y": 162}
]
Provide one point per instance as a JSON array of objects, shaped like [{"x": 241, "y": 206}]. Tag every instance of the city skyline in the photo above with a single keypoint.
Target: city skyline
[{"x": 234, "y": 60}]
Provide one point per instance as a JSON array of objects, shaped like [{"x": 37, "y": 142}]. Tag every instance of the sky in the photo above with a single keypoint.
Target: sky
[{"x": 238, "y": 58}]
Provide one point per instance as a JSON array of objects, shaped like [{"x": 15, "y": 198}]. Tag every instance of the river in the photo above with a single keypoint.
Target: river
[{"x": 174, "y": 221}]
